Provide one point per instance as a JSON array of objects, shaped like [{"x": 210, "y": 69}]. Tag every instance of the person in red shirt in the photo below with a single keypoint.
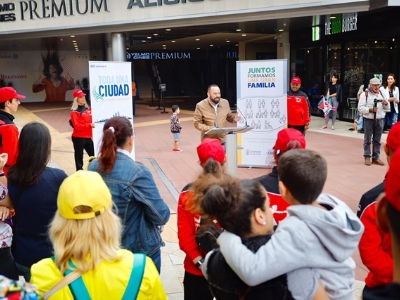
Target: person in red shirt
[
  {"x": 9, "y": 102},
  {"x": 287, "y": 139},
  {"x": 53, "y": 82},
  {"x": 81, "y": 121},
  {"x": 375, "y": 245},
  {"x": 298, "y": 107},
  {"x": 211, "y": 154}
]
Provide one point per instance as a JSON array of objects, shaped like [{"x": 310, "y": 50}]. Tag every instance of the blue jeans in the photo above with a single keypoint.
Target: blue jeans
[
  {"x": 372, "y": 129},
  {"x": 24, "y": 271},
  {"x": 390, "y": 119},
  {"x": 156, "y": 257}
]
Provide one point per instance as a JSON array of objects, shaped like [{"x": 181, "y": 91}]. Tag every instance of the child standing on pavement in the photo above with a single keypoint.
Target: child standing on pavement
[{"x": 176, "y": 128}]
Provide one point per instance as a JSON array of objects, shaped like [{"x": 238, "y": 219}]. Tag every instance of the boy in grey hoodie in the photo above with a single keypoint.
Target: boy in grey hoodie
[{"x": 321, "y": 232}]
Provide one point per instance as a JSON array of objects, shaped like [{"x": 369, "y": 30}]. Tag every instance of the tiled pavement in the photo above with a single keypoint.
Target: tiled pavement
[{"x": 348, "y": 178}]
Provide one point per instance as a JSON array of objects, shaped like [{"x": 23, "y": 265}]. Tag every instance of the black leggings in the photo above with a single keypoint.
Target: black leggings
[
  {"x": 81, "y": 144},
  {"x": 7, "y": 267},
  {"x": 196, "y": 288}
]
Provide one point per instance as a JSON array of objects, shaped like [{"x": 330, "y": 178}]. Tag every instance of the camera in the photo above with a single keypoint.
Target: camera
[{"x": 376, "y": 101}]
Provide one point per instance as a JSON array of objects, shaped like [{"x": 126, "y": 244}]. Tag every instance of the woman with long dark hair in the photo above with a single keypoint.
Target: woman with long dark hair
[
  {"x": 53, "y": 82},
  {"x": 33, "y": 189},
  {"x": 334, "y": 95},
  {"x": 390, "y": 92},
  {"x": 133, "y": 190}
]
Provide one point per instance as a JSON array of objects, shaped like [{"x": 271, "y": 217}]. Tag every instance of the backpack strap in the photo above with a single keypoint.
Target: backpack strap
[
  {"x": 77, "y": 287},
  {"x": 135, "y": 281}
]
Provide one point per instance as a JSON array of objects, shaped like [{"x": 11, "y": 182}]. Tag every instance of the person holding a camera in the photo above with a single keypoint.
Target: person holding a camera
[{"x": 373, "y": 106}]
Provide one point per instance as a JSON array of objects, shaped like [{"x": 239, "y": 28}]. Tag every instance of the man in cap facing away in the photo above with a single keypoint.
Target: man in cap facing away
[
  {"x": 373, "y": 106},
  {"x": 9, "y": 102}
]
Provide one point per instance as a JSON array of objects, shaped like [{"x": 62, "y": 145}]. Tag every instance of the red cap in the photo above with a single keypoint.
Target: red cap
[
  {"x": 8, "y": 93},
  {"x": 211, "y": 148},
  {"x": 296, "y": 80},
  {"x": 393, "y": 137},
  {"x": 78, "y": 93},
  {"x": 285, "y": 136},
  {"x": 392, "y": 186}
]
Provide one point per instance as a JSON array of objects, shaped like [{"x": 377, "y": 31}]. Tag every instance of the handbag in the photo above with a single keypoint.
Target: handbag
[{"x": 207, "y": 238}]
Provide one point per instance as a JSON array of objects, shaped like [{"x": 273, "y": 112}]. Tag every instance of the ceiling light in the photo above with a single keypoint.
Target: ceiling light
[
  {"x": 332, "y": 17},
  {"x": 72, "y": 36},
  {"x": 61, "y": 40},
  {"x": 376, "y": 42},
  {"x": 198, "y": 48},
  {"x": 211, "y": 45},
  {"x": 228, "y": 41},
  {"x": 244, "y": 34},
  {"x": 127, "y": 48},
  {"x": 74, "y": 41},
  {"x": 197, "y": 39},
  {"x": 155, "y": 34},
  {"x": 149, "y": 37},
  {"x": 172, "y": 41},
  {"x": 280, "y": 30},
  {"x": 164, "y": 45},
  {"x": 236, "y": 45},
  {"x": 393, "y": 39},
  {"x": 76, "y": 49},
  {"x": 238, "y": 30},
  {"x": 168, "y": 29}
]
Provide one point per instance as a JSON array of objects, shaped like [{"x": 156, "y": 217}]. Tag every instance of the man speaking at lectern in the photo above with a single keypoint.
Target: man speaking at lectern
[{"x": 212, "y": 112}]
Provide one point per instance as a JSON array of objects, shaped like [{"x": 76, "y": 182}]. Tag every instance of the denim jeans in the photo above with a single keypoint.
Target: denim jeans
[
  {"x": 24, "y": 271},
  {"x": 156, "y": 257},
  {"x": 372, "y": 130}
]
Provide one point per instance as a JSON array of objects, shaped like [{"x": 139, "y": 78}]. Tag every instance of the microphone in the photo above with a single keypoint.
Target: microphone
[{"x": 245, "y": 120}]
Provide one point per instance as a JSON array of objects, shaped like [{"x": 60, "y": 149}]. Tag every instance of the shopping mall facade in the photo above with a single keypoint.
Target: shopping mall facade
[{"x": 189, "y": 44}]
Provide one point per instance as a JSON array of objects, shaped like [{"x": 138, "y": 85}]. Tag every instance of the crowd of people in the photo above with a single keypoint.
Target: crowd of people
[{"x": 262, "y": 238}]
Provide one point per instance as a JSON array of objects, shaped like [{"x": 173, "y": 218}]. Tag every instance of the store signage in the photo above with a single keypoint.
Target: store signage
[
  {"x": 158, "y": 55},
  {"x": 41, "y": 9},
  {"x": 152, "y": 3},
  {"x": 8, "y": 8},
  {"x": 335, "y": 24}
]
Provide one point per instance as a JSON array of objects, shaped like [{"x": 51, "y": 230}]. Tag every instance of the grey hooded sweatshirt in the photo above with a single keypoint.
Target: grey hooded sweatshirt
[{"x": 310, "y": 237}]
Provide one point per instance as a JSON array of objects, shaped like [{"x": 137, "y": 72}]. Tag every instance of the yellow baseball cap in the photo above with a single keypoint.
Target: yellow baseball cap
[{"x": 83, "y": 188}]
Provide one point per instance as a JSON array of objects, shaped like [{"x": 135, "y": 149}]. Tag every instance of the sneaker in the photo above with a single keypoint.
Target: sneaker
[
  {"x": 367, "y": 161},
  {"x": 177, "y": 150},
  {"x": 333, "y": 128},
  {"x": 323, "y": 127},
  {"x": 378, "y": 162}
]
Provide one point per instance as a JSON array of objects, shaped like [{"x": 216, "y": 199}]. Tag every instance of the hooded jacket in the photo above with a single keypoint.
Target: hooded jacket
[{"x": 310, "y": 237}]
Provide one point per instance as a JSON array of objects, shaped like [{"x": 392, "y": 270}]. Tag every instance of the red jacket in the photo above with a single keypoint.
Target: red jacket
[
  {"x": 82, "y": 122},
  {"x": 9, "y": 139},
  {"x": 278, "y": 206},
  {"x": 375, "y": 246},
  {"x": 188, "y": 224},
  {"x": 297, "y": 107}
]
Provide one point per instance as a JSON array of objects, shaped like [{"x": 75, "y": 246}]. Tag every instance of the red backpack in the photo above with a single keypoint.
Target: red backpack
[{"x": 297, "y": 107}]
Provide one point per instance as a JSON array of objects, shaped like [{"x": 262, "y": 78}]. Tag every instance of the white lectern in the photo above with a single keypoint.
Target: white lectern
[{"x": 230, "y": 144}]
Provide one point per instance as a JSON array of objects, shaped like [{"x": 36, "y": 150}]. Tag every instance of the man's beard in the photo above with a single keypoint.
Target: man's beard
[{"x": 215, "y": 100}]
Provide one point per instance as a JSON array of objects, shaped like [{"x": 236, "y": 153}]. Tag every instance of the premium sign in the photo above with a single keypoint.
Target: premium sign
[
  {"x": 340, "y": 23},
  {"x": 33, "y": 9},
  {"x": 151, "y": 3}
]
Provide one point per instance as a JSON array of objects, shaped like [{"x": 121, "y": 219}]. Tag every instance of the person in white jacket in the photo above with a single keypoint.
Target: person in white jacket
[
  {"x": 373, "y": 106},
  {"x": 391, "y": 93}
]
